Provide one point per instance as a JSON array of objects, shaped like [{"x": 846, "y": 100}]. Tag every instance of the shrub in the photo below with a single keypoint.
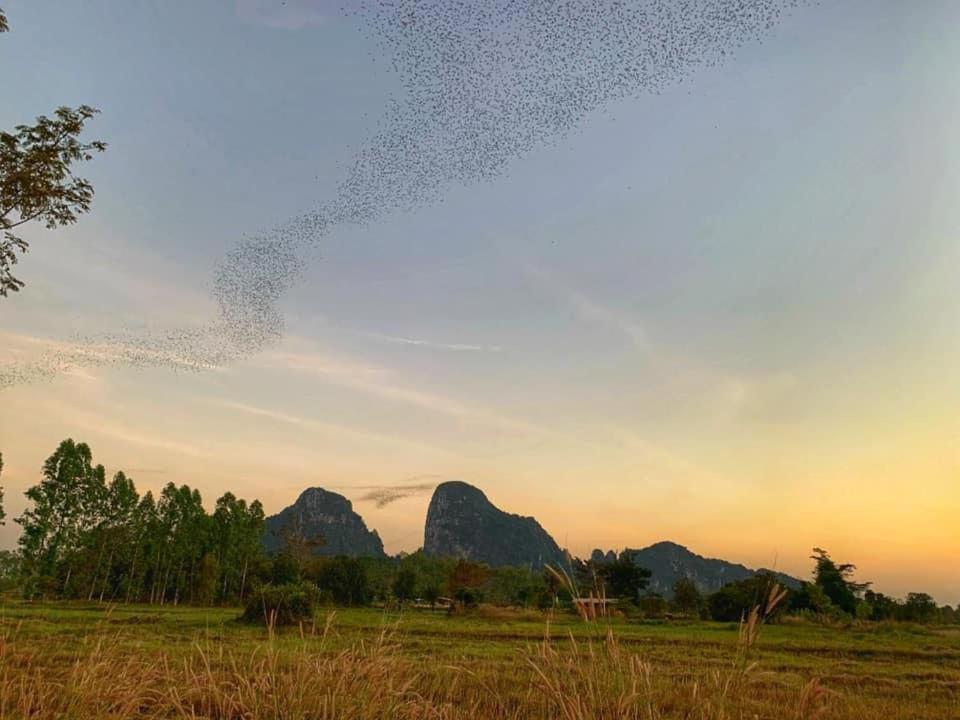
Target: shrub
[
  {"x": 287, "y": 604},
  {"x": 468, "y": 597},
  {"x": 733, "y": 601}
]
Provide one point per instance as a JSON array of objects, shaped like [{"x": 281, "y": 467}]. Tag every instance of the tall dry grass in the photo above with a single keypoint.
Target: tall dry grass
[
  {"x": 565, "y": 679},
  {"x": 599, "y": 680}
]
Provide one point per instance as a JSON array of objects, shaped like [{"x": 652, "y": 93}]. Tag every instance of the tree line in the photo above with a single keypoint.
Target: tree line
[
  {"x": 832, "y": 594},
  {"x": 84, "y": 537}
]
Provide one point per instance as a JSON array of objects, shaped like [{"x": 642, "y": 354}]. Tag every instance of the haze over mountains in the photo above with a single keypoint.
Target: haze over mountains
[{"x": 462, "y": 522}]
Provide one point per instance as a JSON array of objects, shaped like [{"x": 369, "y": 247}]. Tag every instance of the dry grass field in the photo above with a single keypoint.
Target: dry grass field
[{"x": 92, "y": 661}]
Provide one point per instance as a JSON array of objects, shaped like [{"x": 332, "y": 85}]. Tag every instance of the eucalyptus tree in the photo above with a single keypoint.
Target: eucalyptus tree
[
  {"x": 237, "y": 536},
  {"x": 115, "y": 532},
  {"x": 185, "y": 525},
  {"x": 147, "y": 548},
  {"x": 64, "y": 503},
  {"x": 83, "y": 537}
]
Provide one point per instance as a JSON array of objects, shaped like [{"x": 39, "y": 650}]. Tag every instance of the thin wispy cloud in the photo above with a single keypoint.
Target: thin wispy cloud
[
  {"x": 384, "y": 384},
  {"x": 285, "y": 14},
  {"x": 431, "y": 344},
  {"x": 592, "y": 311},
  {"x": 342, "y": 370},
  {"x": 100, "y": 424},
  {"x": 319, "y": 426},
  {"x": 762, "y": 396},
  {"x": 608, "y": 317}
]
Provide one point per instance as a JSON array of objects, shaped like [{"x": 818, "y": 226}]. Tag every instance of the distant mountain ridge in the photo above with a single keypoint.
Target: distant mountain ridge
[
  {"x": 669, "y": 562},
  {"x": 461, "y": 522},
  {"x": 320, "y": 514}
]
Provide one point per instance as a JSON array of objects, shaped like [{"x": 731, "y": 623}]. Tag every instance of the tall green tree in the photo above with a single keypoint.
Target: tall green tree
[
  {"x": 83, "y": 537},
  {"x": 836, "y": 581},
  {"x": 296, "y": 549},
  {"x": 145, "y": 561},
  {"x": 518, "y": 586},
  {"x": 114, "y": 535},
  {"x": 37, "y": 180},
  {"x": 404, "y": 585},
  {"x": 65, "y": 503},
  {"x": 431, "y": 573},
  {"x": 237, "y": 538},
  {"x": 465, "y": 581},
  {"x": 345, "y": 580},
  {"x": 186, "y": 527},
  {"x": 687, "y": 597},
  {"x": 226, "y": 518},
  {"x": 623, "y": 578},
  {"x": 919, "y": 607}
]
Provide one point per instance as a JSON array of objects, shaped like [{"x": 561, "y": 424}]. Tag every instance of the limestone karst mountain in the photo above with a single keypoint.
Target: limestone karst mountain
[
  {"x": 329, "y": 521},
  {"x": 462, "y": 522}
]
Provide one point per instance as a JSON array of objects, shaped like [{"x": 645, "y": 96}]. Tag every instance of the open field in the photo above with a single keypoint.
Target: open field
[{"x": 89, "y": 661}]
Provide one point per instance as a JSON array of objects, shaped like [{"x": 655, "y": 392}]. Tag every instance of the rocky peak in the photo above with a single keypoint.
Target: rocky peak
[
  {"x": 462, "y": 522},
  {"x": 598, "y": 557},
  {"x": 317, "y": 514}
]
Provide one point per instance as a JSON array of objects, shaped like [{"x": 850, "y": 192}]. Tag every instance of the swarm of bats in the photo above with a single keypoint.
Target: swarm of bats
[{"x": 483, "y": 82}]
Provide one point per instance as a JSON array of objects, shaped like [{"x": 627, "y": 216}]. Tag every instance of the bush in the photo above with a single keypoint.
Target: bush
[
  {"x": 810, "y": 599},
  {"x": 734, "y": 600},
  {"x": 468, "y": 597},
  {"x": 288, "y": 604}
]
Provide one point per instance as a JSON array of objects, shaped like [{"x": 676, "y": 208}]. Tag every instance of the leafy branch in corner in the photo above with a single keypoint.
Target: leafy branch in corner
[{"x": 37, "y": 180}]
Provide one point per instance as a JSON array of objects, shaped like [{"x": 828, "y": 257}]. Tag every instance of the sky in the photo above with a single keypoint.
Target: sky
[{"x": 724, "y": 315}]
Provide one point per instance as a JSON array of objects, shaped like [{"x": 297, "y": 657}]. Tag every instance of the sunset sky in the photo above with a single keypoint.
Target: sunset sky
[{"x": 727, "y": 315}]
